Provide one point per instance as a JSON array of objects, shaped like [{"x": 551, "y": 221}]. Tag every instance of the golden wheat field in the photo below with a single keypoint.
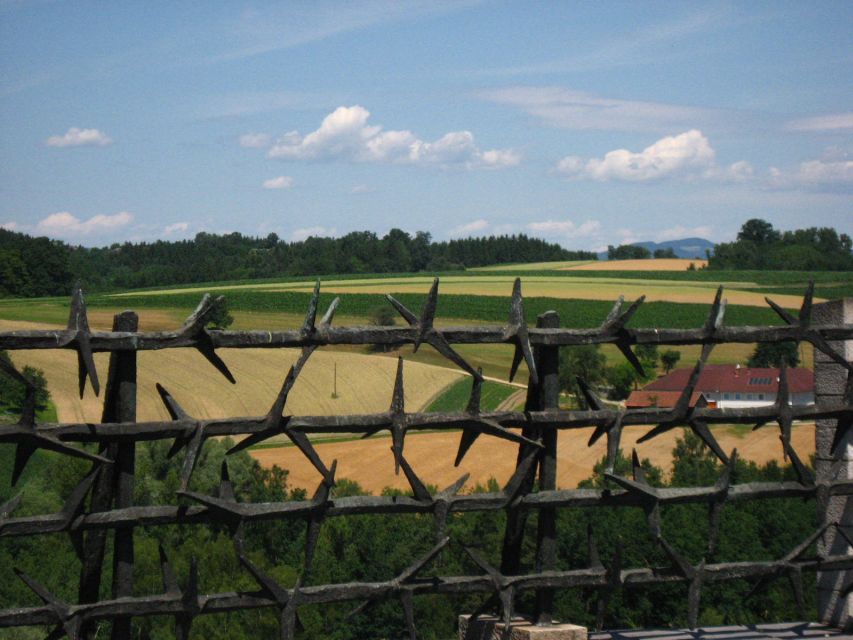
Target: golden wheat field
[
  {"x": 649, "y": 264},
  {"x": 431, "y": 455},
  {"x": 364, "y": 383}
]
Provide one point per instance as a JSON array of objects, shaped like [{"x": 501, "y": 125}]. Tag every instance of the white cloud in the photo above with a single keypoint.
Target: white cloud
[
  {"x": 464, "y": 230},
  {"x": 316, "y": 232},
  {"x": 684, "y": 154},
  {"x": 255, "y": 140},
  {"x": 361, "y": 188},
  {"x": 677, "y": 232},
  {"x": 9, "y": 226},
  {"x": 176, "y": 227},
  {"x": 346, "y": 135},
  {"x": 566, "y": 228},
  {"x": 814, "y": 173},
  {"x": 262, "y": 30},
  {"x": 829, "y": 122},
  {"x": 281, "y": 182},
  {"x": 64, "y": 223},
  {"x": 568, "y": 109},
  {"x": 75, "y": 137}
]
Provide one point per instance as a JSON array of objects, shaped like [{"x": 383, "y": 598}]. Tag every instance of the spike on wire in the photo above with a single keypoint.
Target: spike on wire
[
  {"x": 516, "y": 329},
  {"x": 65, "y": 620},
  {"x": 426, "y": 331},
  {"x": 514, "y": 485},
  {"x": 78, "y": 335},
  {"x": 805, "y": 316},
  {"x": 614, "y": 325},
  {"x": 419, "y": 490},
  {"x": 308, "y": 327},
  {"x": 716, "y": 314},
  {"x": 194, "y": 328},
  {"x": 398, "y": 417},
  {"x": 425, "y": 323}
]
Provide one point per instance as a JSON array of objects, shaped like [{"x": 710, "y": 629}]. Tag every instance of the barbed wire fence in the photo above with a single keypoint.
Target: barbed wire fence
[{"x": 100, "y": 509}]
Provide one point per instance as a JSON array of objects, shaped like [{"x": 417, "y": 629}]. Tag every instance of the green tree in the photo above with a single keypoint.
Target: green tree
[
  {"x": 669, "y": 359},
  {"x": 219, "y": 317},
  {"x": 758, "y": 231},
  {"x": 648, "y": 357},
  {"x": 772, "y": 354},
  {"x": 13, "y": 392},
  {"x": 382, "y": 316},
  {"x": 621, "y": 380},
  {"x": 583, "y": 361},
  {"x": 627, "y": 252}
]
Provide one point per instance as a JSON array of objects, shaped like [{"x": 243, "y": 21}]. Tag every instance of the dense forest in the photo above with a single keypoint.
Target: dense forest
[
  {"x": 373, "y": 548},
  {"x": 760, "y": 246},
  {"x": 40, "y": 267}
]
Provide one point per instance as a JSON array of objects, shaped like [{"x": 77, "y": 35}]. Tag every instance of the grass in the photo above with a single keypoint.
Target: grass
[
  {"x": 455, "y": 397},
  {"x": 48, "y": 414}
]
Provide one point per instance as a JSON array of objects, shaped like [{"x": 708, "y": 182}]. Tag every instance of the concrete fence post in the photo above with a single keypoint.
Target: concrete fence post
[{"x": 834, "y": 608}]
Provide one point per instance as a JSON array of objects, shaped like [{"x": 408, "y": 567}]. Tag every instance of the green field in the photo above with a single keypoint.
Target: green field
[
  {"x": 455, "y": 397},
  {"x": 277, "y": 304}
]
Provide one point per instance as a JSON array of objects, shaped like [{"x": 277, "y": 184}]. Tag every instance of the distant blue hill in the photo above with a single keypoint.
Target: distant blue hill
[{"x": 684, "y": 248}]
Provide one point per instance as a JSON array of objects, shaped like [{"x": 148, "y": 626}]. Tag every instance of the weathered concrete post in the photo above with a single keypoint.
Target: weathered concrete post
[
  {"x": 541, "y": 626},
  {"x": 830, "y": 381}
]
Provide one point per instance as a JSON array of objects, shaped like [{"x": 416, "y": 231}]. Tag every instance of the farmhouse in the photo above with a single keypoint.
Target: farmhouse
[{"x": 726, "y": 386}]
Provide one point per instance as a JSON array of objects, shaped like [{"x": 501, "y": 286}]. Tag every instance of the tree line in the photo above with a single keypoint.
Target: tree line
[
  {"x": 760, "y": 246},
  {"x": 32, "y": 267},
  {"x": 379, "y": 547}
]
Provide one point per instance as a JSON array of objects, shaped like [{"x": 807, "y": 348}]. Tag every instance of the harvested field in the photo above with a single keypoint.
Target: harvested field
[
  {"x": 651, "y": 264},
  {"x": 364, "y": 383},
  {"x": 556, "y": 287},
  {"x": 500, "y": 285},
  {"x": 536, "y": 266},
  {"x": 370, "y": 463}
]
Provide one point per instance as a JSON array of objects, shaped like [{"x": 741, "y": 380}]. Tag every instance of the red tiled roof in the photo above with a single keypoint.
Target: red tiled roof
[
  {"x": 663, "y": 399},
  {"x": 733, "y": 378}
]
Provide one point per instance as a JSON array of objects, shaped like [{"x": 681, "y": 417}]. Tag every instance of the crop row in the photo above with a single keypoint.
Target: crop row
[{"x": 490, "y": 309}]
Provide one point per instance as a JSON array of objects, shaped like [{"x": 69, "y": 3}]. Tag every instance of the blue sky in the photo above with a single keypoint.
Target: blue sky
[{"x": 583, "y": 123}]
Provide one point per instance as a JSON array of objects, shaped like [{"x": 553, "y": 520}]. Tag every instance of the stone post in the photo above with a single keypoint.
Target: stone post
[{"x": 830, "y": 381}]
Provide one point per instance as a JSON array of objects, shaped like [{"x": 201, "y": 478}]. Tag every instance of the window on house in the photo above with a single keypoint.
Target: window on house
[{"x": 737, "y": 396}]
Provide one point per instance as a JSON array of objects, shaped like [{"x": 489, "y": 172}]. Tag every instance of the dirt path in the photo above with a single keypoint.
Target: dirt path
[{"x": 369, "y": 462}]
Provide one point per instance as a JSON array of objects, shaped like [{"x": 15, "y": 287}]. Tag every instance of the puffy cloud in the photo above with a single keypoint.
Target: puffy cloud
[
  {"x": 317, "y": 232},
  {"x": 346, "y": 135},
  {"x": 9, "y": 226},
  {"x": 567, "y": 109},
  {"x": 75, "y": 137},
  {"x": 281, "y": 182},
  {"x": 255, "y": 140},
  {"x": 176, "y": 227},
  {"x": 687, "y": 153},
  {"x": 65, "y": 224},
  {"x": 830, "y": 122},
  {"x": 464, "y": 230}
]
